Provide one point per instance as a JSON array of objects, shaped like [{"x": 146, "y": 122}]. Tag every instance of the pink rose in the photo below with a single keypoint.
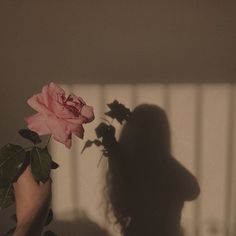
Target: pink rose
[{"x": 58, "y": 115}]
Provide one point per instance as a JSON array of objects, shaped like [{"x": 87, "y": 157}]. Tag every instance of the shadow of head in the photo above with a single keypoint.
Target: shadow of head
[{"x": 147, "y": 132}]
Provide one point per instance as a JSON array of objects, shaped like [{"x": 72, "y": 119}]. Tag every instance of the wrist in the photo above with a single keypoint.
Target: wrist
[
  {"x": 32, "y": 224},
  {"x": 27, "y": 229}
]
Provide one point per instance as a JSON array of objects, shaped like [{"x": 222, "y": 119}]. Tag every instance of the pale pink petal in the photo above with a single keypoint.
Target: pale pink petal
[
  {"x": 73, "y": 106},
  {"x": 56, "y": 89},
  {"x": 58, "y": 129},
  {"x": 87, "y": 113},
  {"x": 76, "y": 99},
  {"x": 37, "y": 103},
  {"x": 37, "y": 123},
  {"x": 81, "y": 100},
  {"x": 63, "y": 112},
  {"x": 58, "y": 109},
  {"x": 85, "y": 116},
  {"x": 58, "y": 102},
  {"x": 68, "y": 143},
  {"x": 77, "y": 121},
  {"x": 77, "y": 130},
  {"x": 46, "y": 96},
  {"x": 56, "y": 98}
]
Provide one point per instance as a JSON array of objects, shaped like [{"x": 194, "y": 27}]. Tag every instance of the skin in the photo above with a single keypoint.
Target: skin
[{"x": 32, "y": 204}]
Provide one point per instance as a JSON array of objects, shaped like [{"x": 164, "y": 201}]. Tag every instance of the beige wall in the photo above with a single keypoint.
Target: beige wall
[
  {"x": 204, "y": 138},
  {"x": 96, "y": 42}
]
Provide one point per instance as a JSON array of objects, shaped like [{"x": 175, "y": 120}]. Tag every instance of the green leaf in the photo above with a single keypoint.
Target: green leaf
[
  {"x": 6, "y": 196},
  {"x": 89, "y": 143},
  {"x": 49, "y": 218},
  {"x": 30, "y": 135},
  {"x": 12, "y": 158},
  {"x": 40, "y": 161},
  {"x": 118, "y": 111}
]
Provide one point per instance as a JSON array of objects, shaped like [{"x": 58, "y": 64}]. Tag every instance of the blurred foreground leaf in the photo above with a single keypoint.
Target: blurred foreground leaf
[
  {"x": 12, "y": 158},
  {"x": 6, "y": 196}
]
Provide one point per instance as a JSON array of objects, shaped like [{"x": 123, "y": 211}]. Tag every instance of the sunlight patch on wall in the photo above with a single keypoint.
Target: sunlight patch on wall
[{"x": 203, "y": 140}]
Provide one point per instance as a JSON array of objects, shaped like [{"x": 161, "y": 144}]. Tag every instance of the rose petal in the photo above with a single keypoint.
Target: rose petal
[
  {"x": 37, "y": 123},
  {"x": 37, "y": 103},
  {"x": 56, "y": 89},
  {"x": 74, "y": 105},
  {"x": 59, "y": 103},
  {"x": 60, "y": 110},
  {"x": 76, "y": 99},
  {"x": 46, "y": 96},
  {"x": 56, "y": 99},
  {"x": 68, "y": 143},
  {"x": 87, "y": 112},
  {"x": 58, "y": 129},
  {"x": 77, "y": 130}
]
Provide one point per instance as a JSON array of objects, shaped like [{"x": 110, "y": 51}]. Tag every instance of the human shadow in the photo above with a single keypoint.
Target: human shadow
[{"x": 146, "y": 185}]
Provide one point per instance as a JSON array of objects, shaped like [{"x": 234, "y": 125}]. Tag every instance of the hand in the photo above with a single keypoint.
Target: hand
[{"x": 32, "y": 204}]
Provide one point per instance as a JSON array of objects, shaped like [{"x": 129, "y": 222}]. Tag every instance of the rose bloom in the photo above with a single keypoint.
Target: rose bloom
[{"x": 58, "y": 115}]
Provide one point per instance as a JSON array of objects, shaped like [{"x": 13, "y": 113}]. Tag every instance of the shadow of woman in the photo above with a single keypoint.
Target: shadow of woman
[{"x": 146, "y": 185}]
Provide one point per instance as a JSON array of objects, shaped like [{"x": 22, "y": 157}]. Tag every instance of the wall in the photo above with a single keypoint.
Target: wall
[
  {"x": 106, "y": 41},
  {"x": 203, "y": 131},
  {"x": 86, "y": 42}
]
